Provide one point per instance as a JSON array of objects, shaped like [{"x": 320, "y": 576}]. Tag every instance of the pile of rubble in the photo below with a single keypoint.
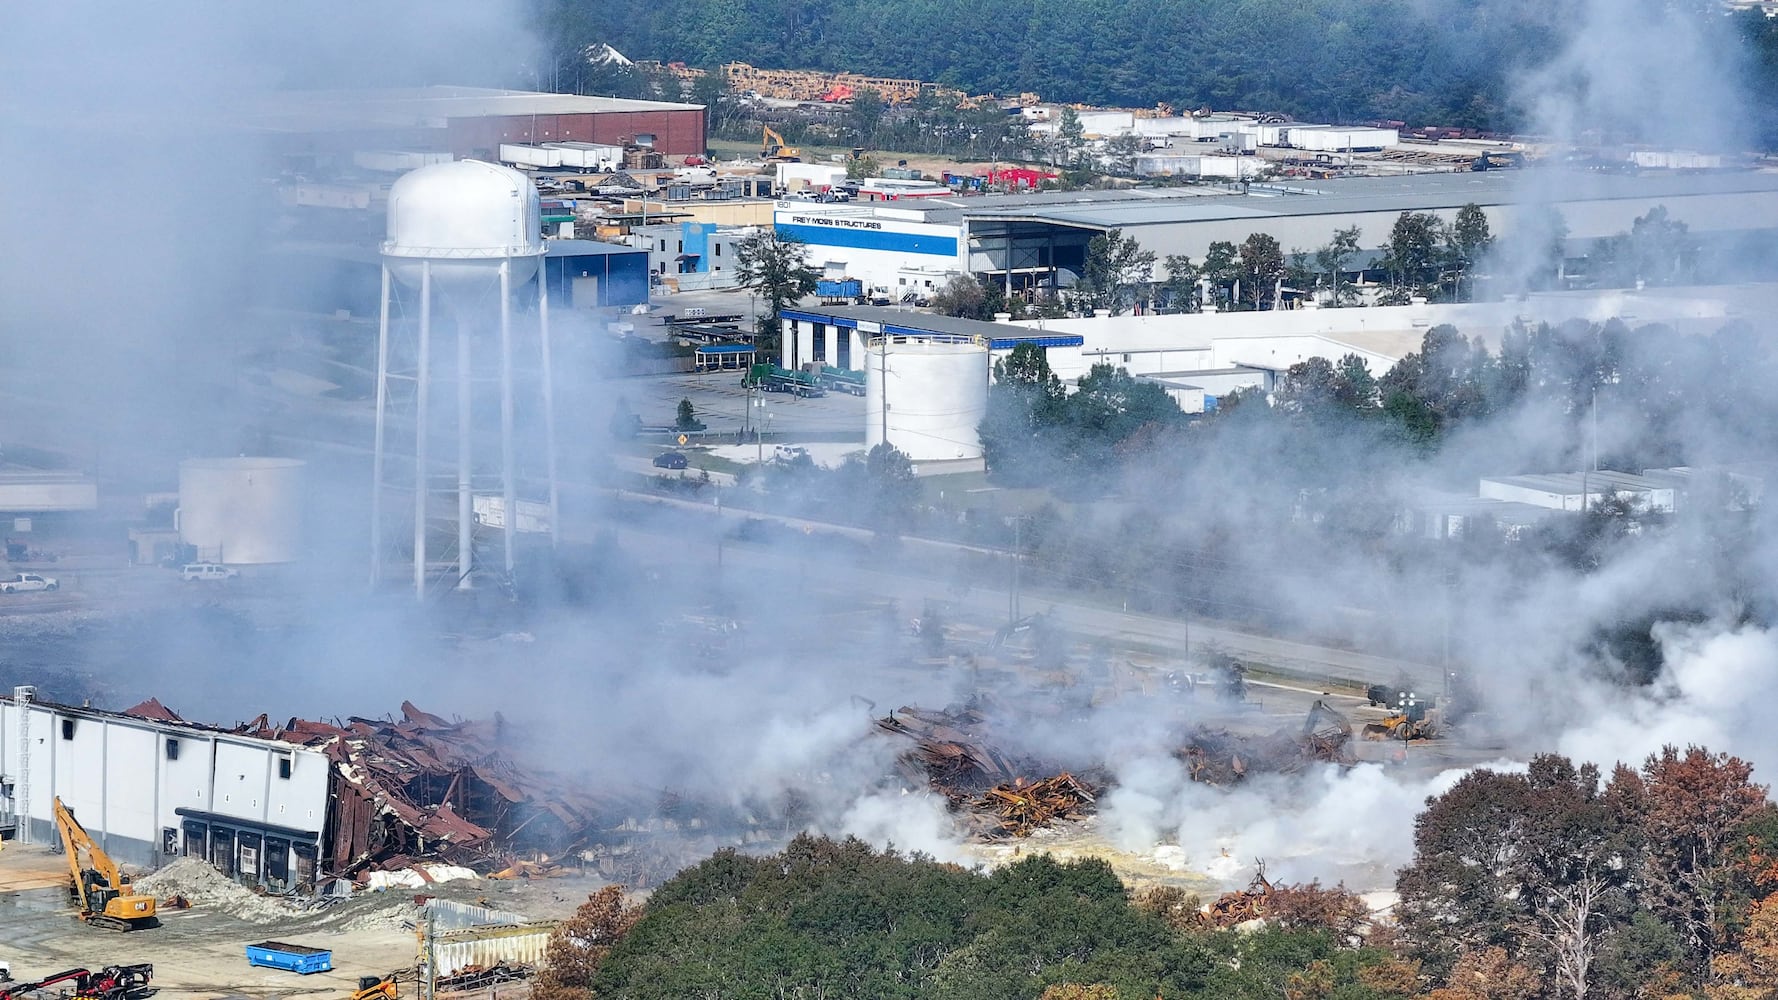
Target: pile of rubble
[
  {"x": 1220, "y": 757},
  {"x": 952, "y": 755},
  {"x": 1022, "y": 807},
  {"x": 950, "y": 752},
  {"x": 1233, "y": 908},
  {"x": 193, "y": 882}
]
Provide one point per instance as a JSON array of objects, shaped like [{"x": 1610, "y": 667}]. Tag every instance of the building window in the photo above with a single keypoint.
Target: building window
[
  {"x": 67, "y": 729},
  {"x": 718, "y": 249},
  {"x": 681, "y": 247},
  {"x": 1126, "y": 359},
  {"x": 284, "y": 768},
  {"x": 172, "y": 748}
]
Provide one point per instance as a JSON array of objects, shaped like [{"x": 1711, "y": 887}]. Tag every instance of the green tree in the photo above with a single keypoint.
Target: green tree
[
  {"x": 1121, "y": 152},
  {"x": 860, "y": 167},
  {"x": 1415, "y": 251},
  {"x": 1222, "y": 265},
  {"x": 962, "y": 296},
  {"x": 1115, "y": 265},
  {"x": 687, "y": 417},
  {"x": 1334, "y": 259},
  {"x": 1070, "y": 139},
  {"x": 1534, "y": 863},
  {"x": 865, "y": 115},
  {"x": 1179, "y": 292},
  {"x": 1470, "y": 239},
  {"x": 774, "y": 266},
  {"x": 890, "y": 486},
  {"x": 1025, "y": 400},
  {"x": 1262, "y": 264}
]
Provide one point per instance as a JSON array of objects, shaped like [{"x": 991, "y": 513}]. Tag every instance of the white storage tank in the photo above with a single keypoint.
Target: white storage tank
[
  {"x": 937, "y": 394},
  {"x": 465, "y": 217},
  {"x": 242, "y": 511}
]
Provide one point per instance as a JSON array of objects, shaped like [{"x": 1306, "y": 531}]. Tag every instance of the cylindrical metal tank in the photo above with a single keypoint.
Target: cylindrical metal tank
[
  {"x": 242, "y": 511},
  {"x": 937, "y": 392},
  {"x": 465, "y": 217}
]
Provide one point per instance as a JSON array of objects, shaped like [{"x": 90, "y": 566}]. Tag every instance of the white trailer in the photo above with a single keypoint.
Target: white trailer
[
  {"x": 46, "y": 492},
  {"x": 396, "y": 161},
  {"x": 588, "y": 156},
  {"x": 521, "y": 155}
]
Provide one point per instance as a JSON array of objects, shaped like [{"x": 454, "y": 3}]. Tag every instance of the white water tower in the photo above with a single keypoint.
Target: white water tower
[{"x": 463, "y": 235}]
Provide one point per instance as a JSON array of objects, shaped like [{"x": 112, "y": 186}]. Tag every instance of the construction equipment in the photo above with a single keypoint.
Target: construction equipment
[
  {"x": 1413, "y": 721},
  {"x": 114, "y": 982},
  {"x": 772, "y": 148},
  {"x": 376, "y": 988},
  {"x": 102, "y": 892}
]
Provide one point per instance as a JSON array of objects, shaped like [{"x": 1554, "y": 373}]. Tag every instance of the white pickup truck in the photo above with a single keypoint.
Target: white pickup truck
[{"x": 19, "y": 583}]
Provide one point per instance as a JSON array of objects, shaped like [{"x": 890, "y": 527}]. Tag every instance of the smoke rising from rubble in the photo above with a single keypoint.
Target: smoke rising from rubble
[{"x": 122, "y": 267}]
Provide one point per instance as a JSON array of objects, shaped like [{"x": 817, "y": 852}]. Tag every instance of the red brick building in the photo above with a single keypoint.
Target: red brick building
[{"x": 472, "y": 122}]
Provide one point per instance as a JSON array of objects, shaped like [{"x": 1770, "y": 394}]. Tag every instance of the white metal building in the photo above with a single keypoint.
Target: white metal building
[
  {"x": 150, "y": 791},
  {"x": 1580, "y": 490},
  {"x": 1041, "y": 239}
]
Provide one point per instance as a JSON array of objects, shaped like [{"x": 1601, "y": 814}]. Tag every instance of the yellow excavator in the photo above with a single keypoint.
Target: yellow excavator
[
  {"x": 101, "y": 890},
  {"x": 772, "y": 148}
]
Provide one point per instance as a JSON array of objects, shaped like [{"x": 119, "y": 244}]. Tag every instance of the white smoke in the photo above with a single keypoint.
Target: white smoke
[
  {"x": 1353, "y": 826},
  {"x": 1710, "y": 694}
]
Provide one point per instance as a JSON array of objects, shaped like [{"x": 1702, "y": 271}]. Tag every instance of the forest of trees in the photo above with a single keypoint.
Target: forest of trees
[
  {"x": 1444, "y": 62},
  {"x": 1561, "y": 880}
]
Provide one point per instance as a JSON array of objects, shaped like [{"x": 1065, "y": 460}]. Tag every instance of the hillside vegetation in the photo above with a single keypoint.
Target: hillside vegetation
[{"x": 1448, "y": 62}]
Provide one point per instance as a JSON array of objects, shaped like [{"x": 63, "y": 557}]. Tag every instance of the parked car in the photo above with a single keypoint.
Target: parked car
[
  {"x": 669, "y": 460},
  {"x": 207, "y": 571},
  {"x": 20, "y": 583}
]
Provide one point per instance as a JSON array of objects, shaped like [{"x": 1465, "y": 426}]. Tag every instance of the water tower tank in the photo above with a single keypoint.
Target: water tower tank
[
  {"x": 242, "y": 511},
  {"x": 937, "y": 394},
  {"x": 465, "y": 217}
]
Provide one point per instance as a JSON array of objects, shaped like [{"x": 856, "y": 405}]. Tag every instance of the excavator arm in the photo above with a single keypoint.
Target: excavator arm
[
  {"x": 104, "y": 893},
  {"x": 74, "y": 840}
]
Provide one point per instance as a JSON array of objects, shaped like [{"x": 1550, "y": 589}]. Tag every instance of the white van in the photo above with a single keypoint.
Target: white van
[{"x": 207, "y": 571}]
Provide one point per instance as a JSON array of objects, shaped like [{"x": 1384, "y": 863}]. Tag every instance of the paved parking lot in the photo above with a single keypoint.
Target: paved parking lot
[{"x": 720, "y": 402}]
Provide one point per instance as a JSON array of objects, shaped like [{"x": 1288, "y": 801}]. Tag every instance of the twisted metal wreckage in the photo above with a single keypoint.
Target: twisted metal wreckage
[{"x": 433, "y": 789}]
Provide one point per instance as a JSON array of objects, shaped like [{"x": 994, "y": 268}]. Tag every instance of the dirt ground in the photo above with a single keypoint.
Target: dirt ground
[{"x": 201, "y": 952}]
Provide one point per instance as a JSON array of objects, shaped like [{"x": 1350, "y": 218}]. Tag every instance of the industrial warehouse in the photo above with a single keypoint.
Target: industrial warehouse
[{"x": 909, "y": 247}]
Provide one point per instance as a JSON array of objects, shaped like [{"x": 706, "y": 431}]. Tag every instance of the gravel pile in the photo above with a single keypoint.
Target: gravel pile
[{"x": 206, "y": 887}]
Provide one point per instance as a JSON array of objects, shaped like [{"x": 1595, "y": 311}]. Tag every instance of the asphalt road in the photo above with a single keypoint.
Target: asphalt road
[{"x": 927, "y": 570}]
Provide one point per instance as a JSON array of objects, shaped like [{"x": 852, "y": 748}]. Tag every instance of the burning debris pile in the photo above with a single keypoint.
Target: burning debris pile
[
  {"x": 1232, "y": 908},
  {"x": 952, "y": 755},
  {"x": 949, "y": 751},
  {"x": 1021, "y": 807},
  {"x": 1219, "y": 757}
]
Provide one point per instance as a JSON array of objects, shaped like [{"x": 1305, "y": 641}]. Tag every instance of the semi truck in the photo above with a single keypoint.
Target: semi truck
[
  {"x": 771, "y": 378},
  {"x": 842, "y": 380}
]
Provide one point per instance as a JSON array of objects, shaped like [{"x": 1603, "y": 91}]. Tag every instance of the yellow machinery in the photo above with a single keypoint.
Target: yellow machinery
[
  {"x": 772, "y": 148},
  {"x": 376, "y": 988},
  {"x": 102, "y": 891}
]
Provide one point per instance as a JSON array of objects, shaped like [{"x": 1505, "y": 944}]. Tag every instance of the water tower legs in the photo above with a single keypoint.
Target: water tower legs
[
  {"x": 376, "y": 476},
  {"x": 422, "y": 386},
  {"x": 549, "y": 408},
  {"x": 508, "y": 491}
]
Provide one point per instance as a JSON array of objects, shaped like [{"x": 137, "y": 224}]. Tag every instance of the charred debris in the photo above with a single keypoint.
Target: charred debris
[{"x": 999, "y": 794}]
